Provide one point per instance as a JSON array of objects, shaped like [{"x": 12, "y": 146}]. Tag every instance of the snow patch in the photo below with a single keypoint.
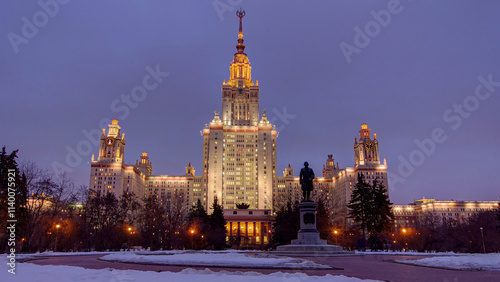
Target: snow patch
[
  {"x": 462, "y": 262},
  {"x": 33, "y": 272},
  {"x": 219, "y": 259}
]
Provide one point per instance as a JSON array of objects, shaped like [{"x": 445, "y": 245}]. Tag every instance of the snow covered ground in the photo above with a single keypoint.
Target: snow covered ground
[
  {"x": 33, "y": 272},
  {"x": 55, "y": 254},
  {"x": 410, "y": 253},
  {"x": 220, "y": 259},
  {"x": 460, "y": 261}
]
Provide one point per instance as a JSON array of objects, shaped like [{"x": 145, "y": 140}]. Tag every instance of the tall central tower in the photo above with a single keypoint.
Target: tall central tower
[
  {"x": 239, "y": 147},
  {"x": 240, "y": 96}
]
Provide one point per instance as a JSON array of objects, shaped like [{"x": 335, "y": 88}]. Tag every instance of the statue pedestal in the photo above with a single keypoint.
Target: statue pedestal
[
  {"x": 308, "y": 234},
  {"x": 308, "y": 242}
]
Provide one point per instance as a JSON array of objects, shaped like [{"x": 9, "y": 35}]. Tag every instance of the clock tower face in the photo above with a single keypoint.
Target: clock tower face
[
  {"x": 369, "y": 145},
  {"x": 110, "y": 141}
]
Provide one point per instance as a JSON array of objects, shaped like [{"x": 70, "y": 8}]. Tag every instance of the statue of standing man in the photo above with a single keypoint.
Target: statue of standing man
[{"x": 306, "y": 180}]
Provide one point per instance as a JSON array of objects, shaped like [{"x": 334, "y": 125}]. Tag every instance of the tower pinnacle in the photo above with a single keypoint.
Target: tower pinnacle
[
  {"x": 240, "y": 47},
  {"x": 240, "y": 96}
]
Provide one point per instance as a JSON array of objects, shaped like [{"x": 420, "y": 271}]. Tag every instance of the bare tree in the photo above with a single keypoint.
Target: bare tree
[
  {"x": 49, "y": 196},
  {"x": 174, "y": 223}
]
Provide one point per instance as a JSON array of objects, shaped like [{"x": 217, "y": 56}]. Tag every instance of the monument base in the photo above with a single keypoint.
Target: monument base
[
  {"x": 308, "y": 242},
  {"x": 311, "y": 251}
]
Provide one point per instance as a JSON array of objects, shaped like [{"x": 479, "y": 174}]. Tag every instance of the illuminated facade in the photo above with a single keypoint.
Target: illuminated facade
[
  {"x": 439, "y": 212},
  {"x": 251, "y": 228},
  {"x": 239, "y": 147},
  {"x": 109, "y": 173},
  {"x": 239, "y": 160},
  {"x": 336, "y": 184},
  {"x": 239, "y": 153},
  {"x": 239, "y": 167}
]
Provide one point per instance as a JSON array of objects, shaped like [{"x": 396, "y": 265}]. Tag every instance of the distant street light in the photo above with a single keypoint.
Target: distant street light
[
  {"x": 482, "y": 237},
  {"x": 404, "y": 237},
  {"x": 129, "y": 236},
  {"x": 192, "y": 240},
  {"x": 336, "y": 237},
  {"x": 57, "y": 232}
]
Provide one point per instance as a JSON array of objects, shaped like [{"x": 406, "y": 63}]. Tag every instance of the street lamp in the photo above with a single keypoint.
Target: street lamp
[
  {"x": 336, "y": 237},
  {"x": 129, "y": 236},
  {"x": 404, "y": 237},
  {"x": 57, "y": 232},
  {"x": 192, "y": 236},
  {"x": 482, "y": 237}
]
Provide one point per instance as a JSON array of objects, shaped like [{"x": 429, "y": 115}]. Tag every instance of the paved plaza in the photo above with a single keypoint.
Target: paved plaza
[{"x": 379, "y": 267}]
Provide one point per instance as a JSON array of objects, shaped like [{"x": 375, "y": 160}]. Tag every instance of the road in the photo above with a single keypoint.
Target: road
[{"x": 364, "y": 266}]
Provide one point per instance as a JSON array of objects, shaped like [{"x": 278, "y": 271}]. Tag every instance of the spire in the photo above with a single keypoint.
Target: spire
[
  {"x": 240, "y": 69},
  {"x": 240, "y": 47},
  {"x": 264, "y": 117},
  {"x": 216, "y": 117}
]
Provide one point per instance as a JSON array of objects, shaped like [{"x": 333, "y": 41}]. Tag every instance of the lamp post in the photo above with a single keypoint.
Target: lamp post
[
  {"x": 192, "y": 240},
  {"x": 482, "y": 237},
  {"x": 129, "y": 235},
  {"x": 336, "y": 237},
  {"x": 404, "y": 237},
  {"x": 57, "y": 232}
]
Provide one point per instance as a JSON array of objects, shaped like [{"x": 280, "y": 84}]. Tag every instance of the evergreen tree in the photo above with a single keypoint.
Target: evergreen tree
[
  {"x": 371, "y": 210},
  {"x": 324, "y": 224},
  {"x": 12, "y": 183},
  {"x": 216, "y": 235},
  {"x": 197, "y": 226},
  {"x": 498, "y": 219},
  {"x": 197, "y": 211},
  {"x": 286, "y": 225},
  {"x": 360, "y": 206},
  {"x": 381, "y": 216}
]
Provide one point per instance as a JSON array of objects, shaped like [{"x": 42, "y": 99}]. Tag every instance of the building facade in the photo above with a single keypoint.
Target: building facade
[
  {"x": 250, "y": 228},
  {"x": 335, "y": 186},
  {"x": 239, "y": 153},
  {"x": 239, "y": 146},
  {"x": 239, "y": 163},
  {"x": 109, "y": 173},
  {"x": 239, "y": 168},
  {"x": 439, "y": 212}
]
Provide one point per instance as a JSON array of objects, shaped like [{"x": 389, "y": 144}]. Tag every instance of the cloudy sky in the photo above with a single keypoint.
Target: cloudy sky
[{"x": 424, "y": 75}]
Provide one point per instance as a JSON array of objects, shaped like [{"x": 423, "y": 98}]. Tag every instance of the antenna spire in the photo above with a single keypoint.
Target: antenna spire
[{"x": 240, "y": 47}]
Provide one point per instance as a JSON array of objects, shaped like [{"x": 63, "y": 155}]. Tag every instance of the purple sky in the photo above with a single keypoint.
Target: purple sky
[{"x": 426, "y": 59}]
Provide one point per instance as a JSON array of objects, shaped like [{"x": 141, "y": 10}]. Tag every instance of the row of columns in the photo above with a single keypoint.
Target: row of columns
[{"x": 264, "y": 227}]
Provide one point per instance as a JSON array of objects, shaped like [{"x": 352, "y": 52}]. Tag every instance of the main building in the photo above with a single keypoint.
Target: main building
[{"x": 239, "y": 163}]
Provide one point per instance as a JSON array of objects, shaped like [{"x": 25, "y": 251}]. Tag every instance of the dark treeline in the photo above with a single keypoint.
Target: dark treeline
[
  {"x": 430, "y": 234},
  {"x": 53, "y": 214}
]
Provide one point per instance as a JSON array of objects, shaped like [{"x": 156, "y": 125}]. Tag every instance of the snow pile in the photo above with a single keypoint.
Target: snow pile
[
  {"x": 462, "y": 262},
  {"x": 219, "y": 259},
  {"x": 32, "y": 272},
  {"x": 93, "y": 253}
]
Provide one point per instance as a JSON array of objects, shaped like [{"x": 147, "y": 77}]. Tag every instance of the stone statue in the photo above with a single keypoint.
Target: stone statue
[{"x": 306, "y": 180}]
